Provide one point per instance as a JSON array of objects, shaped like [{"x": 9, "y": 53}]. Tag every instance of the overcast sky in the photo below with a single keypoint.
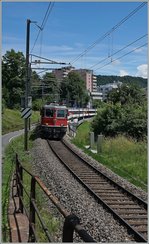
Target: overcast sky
[{"x": 72, "y": 29}]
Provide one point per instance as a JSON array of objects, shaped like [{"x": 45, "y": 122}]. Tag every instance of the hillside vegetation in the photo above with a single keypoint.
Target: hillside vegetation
[
  {"x": 11, "y": 120},
  {"x": 105, "y": 79}
]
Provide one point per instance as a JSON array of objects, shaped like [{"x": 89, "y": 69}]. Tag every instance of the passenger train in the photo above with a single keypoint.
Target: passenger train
[{"x": 55, "y": 119}]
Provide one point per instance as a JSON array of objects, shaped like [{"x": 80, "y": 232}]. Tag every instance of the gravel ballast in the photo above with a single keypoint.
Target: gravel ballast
[{"x": 97, "y": 221}]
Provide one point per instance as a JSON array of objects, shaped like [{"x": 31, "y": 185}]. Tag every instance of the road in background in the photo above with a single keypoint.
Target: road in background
[{"x": 8, "y": 137}]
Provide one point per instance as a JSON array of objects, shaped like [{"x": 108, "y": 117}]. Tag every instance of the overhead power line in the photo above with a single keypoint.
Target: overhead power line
[
  {"x": 122, "y": 56},
  {"x": 41, "y": 28},
  {"x": 101, "y": 61},
  {"x": 109, "y": 32}
]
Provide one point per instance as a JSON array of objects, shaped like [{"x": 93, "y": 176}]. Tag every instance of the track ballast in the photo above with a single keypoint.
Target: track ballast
[{"x": 129, "y": 209}]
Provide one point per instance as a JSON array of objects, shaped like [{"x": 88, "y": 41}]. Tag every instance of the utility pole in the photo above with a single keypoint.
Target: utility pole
[{"x": 27, "y": 83}]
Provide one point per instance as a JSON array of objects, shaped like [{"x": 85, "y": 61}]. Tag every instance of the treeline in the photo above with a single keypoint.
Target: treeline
[
  {"x": 105, "y": 79},
  {"x": 43, "y": 89},
  {"x": 125, "y": 113}
]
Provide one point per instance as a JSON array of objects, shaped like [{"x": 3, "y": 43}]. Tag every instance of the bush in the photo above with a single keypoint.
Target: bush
[
  {"x": 37, "y": 104},
  {"x": 134, "y": 121},
  {"x": 107, "y": 120},
  {"x": 130, "y": 120}
]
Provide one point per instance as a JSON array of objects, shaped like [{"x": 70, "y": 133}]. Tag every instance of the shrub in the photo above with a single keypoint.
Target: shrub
[
  {"x": 37, "y": 104},
  {"x": 130, "y": 120}
]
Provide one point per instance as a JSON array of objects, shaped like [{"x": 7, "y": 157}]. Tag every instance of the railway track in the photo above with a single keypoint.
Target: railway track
[{"x": 130, "y": 210}]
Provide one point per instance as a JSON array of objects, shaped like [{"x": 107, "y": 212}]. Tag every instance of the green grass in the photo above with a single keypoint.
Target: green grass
[
  {"x": 7, "y": 171},
  {"x": 82, "y": 137},
  {"x": 11, "y": 120},
  {"x": 122, "y": 155},
  {"x": 8, "y": 167}
]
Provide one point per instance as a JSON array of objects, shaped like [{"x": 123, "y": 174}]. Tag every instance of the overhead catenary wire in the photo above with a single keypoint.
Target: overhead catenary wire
[
  {"x": 145, "y": 44},
  {"x": 109, "y": 32},
  {"x": 109, "y": 56},
  {"x": 41, "y": 28}
]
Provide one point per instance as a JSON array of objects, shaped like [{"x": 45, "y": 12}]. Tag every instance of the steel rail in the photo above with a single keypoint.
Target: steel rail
[
  {"x": 138, "y": 236},
  {"x": 140, "y": 201}
]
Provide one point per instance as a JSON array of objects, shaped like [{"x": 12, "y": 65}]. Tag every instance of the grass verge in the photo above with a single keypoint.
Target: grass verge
[
  {"x": 12, "y": 121},
  {"x": 122, "y": 155},
  {"x": 8, "y": 167},
  {"x": 16, "y": 146}
]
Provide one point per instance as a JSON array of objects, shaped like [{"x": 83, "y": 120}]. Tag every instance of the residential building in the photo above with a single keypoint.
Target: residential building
[
  {"x": 105, "y": 89},
  {"x": 87, "y": 75},
  {"x": 62, "y": 73}
]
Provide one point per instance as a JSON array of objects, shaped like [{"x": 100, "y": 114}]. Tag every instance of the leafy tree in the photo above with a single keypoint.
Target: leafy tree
[
  {"x": 134, "y": 121},
  {"x": 107, "y": 120},
  {"x": 37, "y": 104},
  {"x": 51, "y": 87},
  {"x": 126, "y": 94},
  {"x": 35, "y": 81},
  {"x": 13, "y": 77},
  {"x": 125, "y": 113},
  {"x": 97, "y": 103},
  {"x": 35, "y": 78},
  {"x": 73, "y": 90}
]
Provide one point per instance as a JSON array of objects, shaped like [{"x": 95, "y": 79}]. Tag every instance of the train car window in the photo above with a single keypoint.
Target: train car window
[
  {"x": 61, "y": 113},
  {"x": 49, "y": 113}
]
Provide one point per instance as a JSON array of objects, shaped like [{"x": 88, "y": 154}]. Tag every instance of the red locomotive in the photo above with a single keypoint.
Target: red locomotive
[{"x": 54, "y": 120}]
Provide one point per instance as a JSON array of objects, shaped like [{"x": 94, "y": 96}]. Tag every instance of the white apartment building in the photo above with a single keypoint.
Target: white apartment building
[{"x": 104, "y": 89}]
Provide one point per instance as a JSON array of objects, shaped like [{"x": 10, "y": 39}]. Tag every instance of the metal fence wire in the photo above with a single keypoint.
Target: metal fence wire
[{"x": 71, "y": 221}]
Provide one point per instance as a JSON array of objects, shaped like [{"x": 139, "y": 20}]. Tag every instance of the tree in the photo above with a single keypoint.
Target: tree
[
  {"x": 129, "y": 119},
  {"x": 50, "y": 87},
  {"x": 134, "y": 121},
  {"x": 35, "y": 81},
  {"x": 13, "y": 77},
  {"x": 126, "y": 94},
  {"x": 108, "y": 120},
  {"x": 97, "y": 103},
  {"x": 73, "y": 90}
]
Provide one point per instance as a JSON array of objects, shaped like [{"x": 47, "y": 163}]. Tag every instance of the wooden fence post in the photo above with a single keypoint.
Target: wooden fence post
[
  {"x": 32, "y": 211},
  {"x": 68, "y": 228},
  {"x": 20, "y": 189}
]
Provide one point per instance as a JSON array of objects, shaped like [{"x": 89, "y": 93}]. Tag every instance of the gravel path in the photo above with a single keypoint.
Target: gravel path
[{"x": 97, "y": 221}]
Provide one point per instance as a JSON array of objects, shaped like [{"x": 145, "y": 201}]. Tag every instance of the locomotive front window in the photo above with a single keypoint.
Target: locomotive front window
[
  {"x": 61, "y": 113},
  {"x": 49, "y": 113}
]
